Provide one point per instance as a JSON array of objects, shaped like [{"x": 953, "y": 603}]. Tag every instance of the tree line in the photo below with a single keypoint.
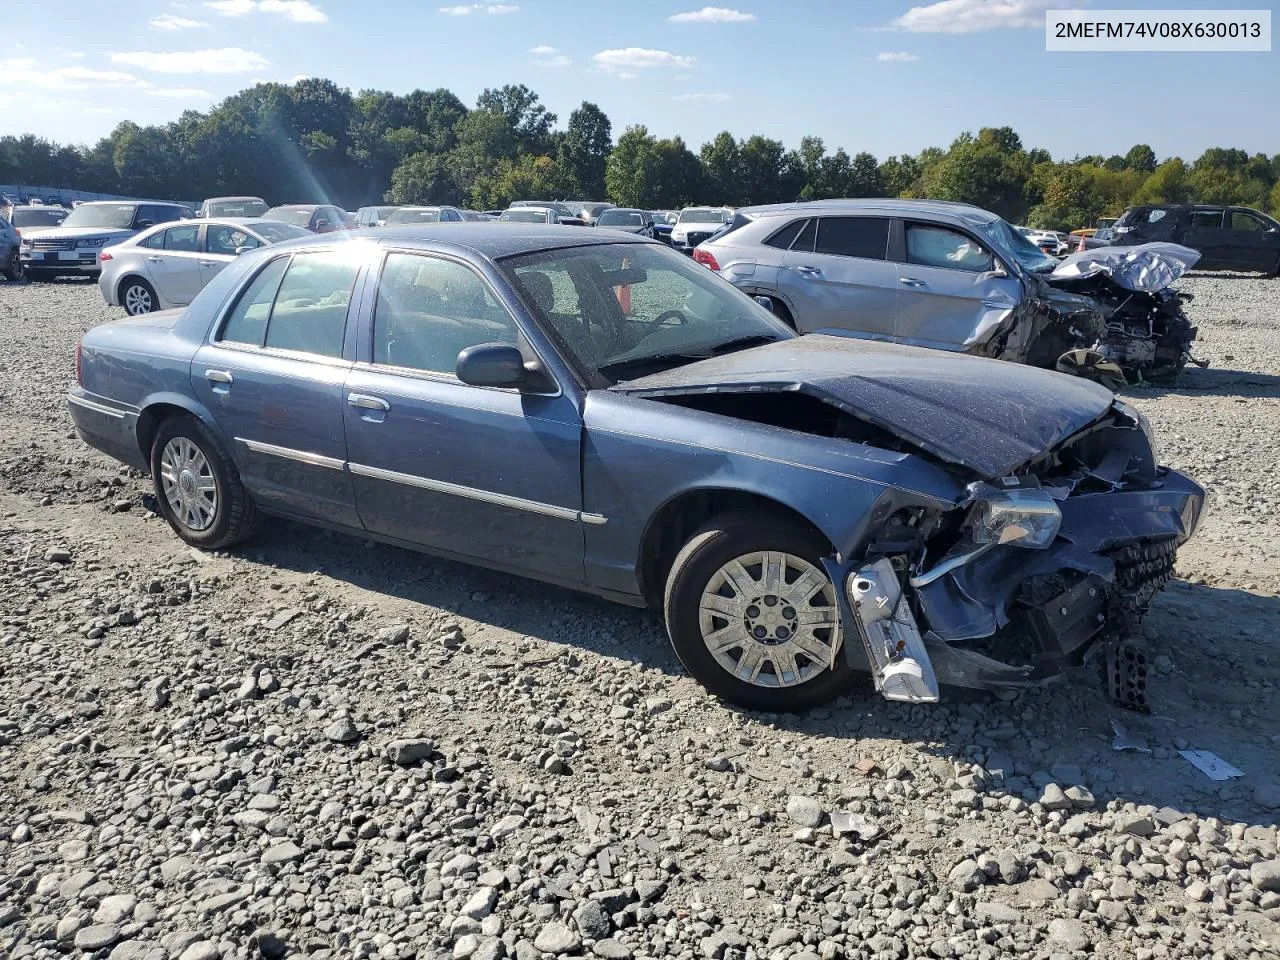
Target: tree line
[{"x": 315, "y": 141}]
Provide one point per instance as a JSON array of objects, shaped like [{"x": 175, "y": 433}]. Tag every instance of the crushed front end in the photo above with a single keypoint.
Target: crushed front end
[{"x": 1031, "y": 573}]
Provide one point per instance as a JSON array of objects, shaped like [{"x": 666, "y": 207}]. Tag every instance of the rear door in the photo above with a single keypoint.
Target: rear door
[
  {"x": 838, "y": 277},
  {"x": 175, "y": 267},
  {"x": 1250, "y": 243},
  {"x": 952, "y": 291},
  {"x": 272, "y": 375},
  {"x": 489, "y": 474},
  {"x": 221, "y": 241}
]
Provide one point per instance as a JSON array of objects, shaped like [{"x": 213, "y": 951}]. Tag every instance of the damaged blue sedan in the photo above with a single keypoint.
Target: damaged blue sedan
[{"x": 599, "y": 412}]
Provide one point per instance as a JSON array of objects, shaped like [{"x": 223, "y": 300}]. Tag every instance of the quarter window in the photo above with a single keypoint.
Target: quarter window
[
  {"x": 782, "y": 239},
  {"x": 430, "y": 310},
  {"x": 181, "y": 239},
  {"x": 804, "y": 241},
  {"x": 248, "y": 320},
  {"x": 310, "y": 312},
  {"x": 155, "y": 241},
  {"x": 865, "y": 237},
  {"x": 932, "y": 246},
  {"x": 1207, "y": 219}
]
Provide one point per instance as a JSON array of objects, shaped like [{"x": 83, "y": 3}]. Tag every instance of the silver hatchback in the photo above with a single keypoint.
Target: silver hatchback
[{"x": 168, "y": 265}]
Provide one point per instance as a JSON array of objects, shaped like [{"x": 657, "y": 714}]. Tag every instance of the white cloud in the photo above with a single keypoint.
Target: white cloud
[
  {"x": 709, "y": 97},
  {"x": 180, "y": 93},
  {"x": 298, "y": 11},
  {"x": 167, "y": 21},
  {"x": 712, "y": 15},
  {"x": 559, "y": 60},
  {"x": 224, "y": 60},
  {"x": 25, "y": 73},
  {"x": 298, "y": 78},
  {"x": 624, "y": 62},
  {"x": 901, "y": 57},
  {"x": 543, "y": 49},
  {"x": 463, "y": 9},
  {"x": 976, "y": 16}
]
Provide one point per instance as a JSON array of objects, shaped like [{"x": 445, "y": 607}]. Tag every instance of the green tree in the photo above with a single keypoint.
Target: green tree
[
  {"x": 721, "y": 161},
  {"x": 1140, "y": 158},
  {"x": 1167, "y": 184},
  {"x": 629, "y": 172},
  {"x": 584, "y": 150},
  {"x": 424, "y": 178}
]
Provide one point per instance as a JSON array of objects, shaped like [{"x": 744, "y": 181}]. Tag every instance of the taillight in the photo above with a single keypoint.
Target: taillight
[
  {"x": 79, "y": 366},
  {"x": 705, "y": 258},
  {"x": 104, "y": 256}
]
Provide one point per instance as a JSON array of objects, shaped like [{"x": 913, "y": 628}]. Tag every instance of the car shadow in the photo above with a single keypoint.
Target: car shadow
[
  {"x": 1213, "y": 382},
  {"x": 1207, "y": 690}
]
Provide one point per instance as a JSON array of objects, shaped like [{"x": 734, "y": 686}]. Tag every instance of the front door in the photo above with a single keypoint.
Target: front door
[
  {"x": 838, "y": 277},
  {"x": 221, "y": 241},
  {"x": 952, "y": 294},
  {"x": 1251, "y": 243},
  {"x": 486, "y": 474},
  {"x": 272, "y": 376},
  {"x": 173, "y": 263}
]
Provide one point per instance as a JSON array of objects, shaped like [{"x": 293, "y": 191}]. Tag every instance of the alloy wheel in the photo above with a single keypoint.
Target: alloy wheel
[
  {"x": 138, "y": 300},
  {"x": 770, "y": 619},
  {"x": 188, "y": 484}
]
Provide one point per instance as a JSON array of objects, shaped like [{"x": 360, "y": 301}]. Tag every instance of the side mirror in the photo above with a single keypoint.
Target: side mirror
[
  {"x": 764, "y": 302},
  {"x": 143, "y": 224},
  {"x": 322, "y": 225},
  {"x": 998, "y": 272},
  {"x": 492, "y": 365},
  {"x": 240, "y": 250}
]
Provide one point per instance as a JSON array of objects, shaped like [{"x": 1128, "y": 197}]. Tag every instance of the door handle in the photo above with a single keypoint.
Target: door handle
[
  {"x": 911, "y": 281},
  {"x": 208, "y": 263},
  {"x": 807, "y": 271},
  {"x": 218, "y": 376},
  {"x": 366, "y": 402},
  {"x": 155, "y": 259}
]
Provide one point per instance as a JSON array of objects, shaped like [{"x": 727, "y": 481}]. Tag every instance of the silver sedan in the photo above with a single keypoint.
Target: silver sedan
[{"x": 167, "y": 265}]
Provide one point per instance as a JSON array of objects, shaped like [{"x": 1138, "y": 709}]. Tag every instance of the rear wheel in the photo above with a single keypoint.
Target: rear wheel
[
  {"x": 13, "y": 266},
  {"x": 782, "y": 313},
  {"x": 138, "y": 297},
  {"x": 752, "y": 614},
  {"x": 198, "y": 487}
]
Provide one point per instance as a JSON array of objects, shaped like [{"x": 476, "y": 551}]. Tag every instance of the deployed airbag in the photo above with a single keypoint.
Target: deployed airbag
[{"x": 1146, "y": 268}]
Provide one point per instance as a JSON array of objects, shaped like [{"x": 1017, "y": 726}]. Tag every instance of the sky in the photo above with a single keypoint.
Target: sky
[{"x": 876, "y": 75}]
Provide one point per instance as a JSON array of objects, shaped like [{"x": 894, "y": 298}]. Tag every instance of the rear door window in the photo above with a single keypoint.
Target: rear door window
[
  {"x": 310, "y": 310},
  {"x": 934, "y": 246},
  {"x": 181, "y": 239},
  {"x": 1206, "y": 219},
  {"x": 864, "y": 237}
]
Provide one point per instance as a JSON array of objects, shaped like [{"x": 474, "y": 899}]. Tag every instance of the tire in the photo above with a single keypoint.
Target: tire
[
  {"x": 782, "y": 313},
  {"x": 212, "y": 518},
  {"x": 699, "y": 570},
  {"x": 138, "y": 297},
  {"x": 13, "y": 266}
]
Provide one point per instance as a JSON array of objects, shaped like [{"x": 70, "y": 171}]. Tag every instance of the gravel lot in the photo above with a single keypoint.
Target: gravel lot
[{"x": 317, "y": 747}]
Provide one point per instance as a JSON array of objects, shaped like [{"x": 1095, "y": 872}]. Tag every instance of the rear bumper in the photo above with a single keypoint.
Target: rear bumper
[{"x": 107, "y": 425}]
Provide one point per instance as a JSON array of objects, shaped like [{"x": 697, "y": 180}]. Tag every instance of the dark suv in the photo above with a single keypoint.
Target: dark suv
[{"x": 1228, "y": 238}]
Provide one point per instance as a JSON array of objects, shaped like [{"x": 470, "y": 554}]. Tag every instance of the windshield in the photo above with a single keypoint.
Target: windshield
[
  {"x": 620, "y": 218},
  {"x": 702, "y": 216},
  {"x": 406, "y": 215},
  {"x": 236, "y": 208},
  {"x": 113, "y": 216},
  {"x": 1014, "y": 244},
  {"x": 39, "y": 217},
  {"x": 625, "y": 310},
  {"x": 298, "y": 216},
  {"x": 274, "y": 232},
  {"x": 523, "y": 216}
]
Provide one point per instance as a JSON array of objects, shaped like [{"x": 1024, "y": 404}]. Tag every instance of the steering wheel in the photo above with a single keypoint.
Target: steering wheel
[{"x": 664, "y": 318}]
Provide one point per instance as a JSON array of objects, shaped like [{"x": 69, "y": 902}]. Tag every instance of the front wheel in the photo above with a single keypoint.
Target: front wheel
[
  {"x": 198, "y": 488},
  {"x": 13, "y": 266},
  {"x": 138, "y": 297},
  {"x": 753, "y": 616}
]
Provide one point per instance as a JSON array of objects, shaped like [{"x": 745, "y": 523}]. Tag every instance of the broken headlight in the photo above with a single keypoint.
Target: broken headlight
[
  {"x": 1022, "y": 516},
  {"x": 1143, "y": 424}
]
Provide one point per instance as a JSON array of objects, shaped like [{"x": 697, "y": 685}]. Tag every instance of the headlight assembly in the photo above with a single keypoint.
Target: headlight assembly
[{"x": 1022, "y": 516}]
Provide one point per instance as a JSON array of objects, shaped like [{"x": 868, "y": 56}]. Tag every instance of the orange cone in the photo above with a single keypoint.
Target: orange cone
[{"x": 623, "y": 293}]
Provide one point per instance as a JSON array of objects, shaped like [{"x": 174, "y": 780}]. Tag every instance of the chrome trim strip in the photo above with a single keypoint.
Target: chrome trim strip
[
  {"x": 96, "y": 407},
  {"x": 473, "y": 493},
  {"x": 287, "y": 453}
]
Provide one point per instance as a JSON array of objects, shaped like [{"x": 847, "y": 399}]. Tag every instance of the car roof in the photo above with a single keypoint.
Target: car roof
[
  {"x": 939, "y": 208},
  {"x": 216, "y": 199},
  {"x": 300, "y": 206},
  {"x": 496, "y": 240},
  {"x": 116, "y": 203}
]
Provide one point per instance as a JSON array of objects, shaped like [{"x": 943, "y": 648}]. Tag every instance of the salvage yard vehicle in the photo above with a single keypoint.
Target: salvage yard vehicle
[
  {"x": 29, "y": 216},
  {"x": 798, "y": 508},
  {"x": 639, "y": 222},
  {"x": 696, "y": 224},
  {"x": 374, "y": 216},
  {"x": 403, "y": 216},
  {"x": 949, "y": 276},
  {"x": 316, "y": 217},
  {"x": 232, "y": 207},
  {"x": 528, "y": 213},
  {"x": 73, "y": 246},
  {"x": 166, "y": 266},
  {"x": 1227, "y": 238}
]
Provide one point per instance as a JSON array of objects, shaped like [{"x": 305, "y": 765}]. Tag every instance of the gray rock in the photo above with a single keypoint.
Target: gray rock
[
  {"x": 1199, "y": 891},
  {"x": 74, "y": 851},
  {"x": 491, "y": 948},
  {"x": 465, "y": 946},
  {"x": 158, "y": 693},
  {"x": 8, "y": 914},
  {"x": 1134, "y": 825},
  {"x": 480, "y": 904},
  {"x": 783, "y": 936},
  {"x": 611, "y": 950},
  {"x": 804, "y": 811},
  {"x": 285, "y": 852},
  {"x": 271, "y": 944},
  {"x": 1081, "y": 798},
  {"x": 138, "y": 950},
  {"x": 406, "y": 753},
  {"x": 1112, "y": 910},
  {"x": 993, "y": 912},
  {"x": 966, "y": 876},
  {"x": 342, "y": 730},
  {"x": 1265, "y": 875},
  {"x": 855, "y": 824},
  {"x": 1071, "y": 935},
  {"x": 591, "y": 920},
  {"x": 507, "y": 826},
  {"x": 1077, "y": 826},
  {"x": 555, "y": 937},
  {"x": 97, "y": 936},
  {"x": 201, "y": 950},
  {"x": 1052, "y": 798},
  {"x": 116, "y": 908}
]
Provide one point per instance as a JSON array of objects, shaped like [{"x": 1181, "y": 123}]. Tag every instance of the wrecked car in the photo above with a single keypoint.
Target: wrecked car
[
  {"x": 949, "y": 276},
  {"x": 596, "y": 411}
]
